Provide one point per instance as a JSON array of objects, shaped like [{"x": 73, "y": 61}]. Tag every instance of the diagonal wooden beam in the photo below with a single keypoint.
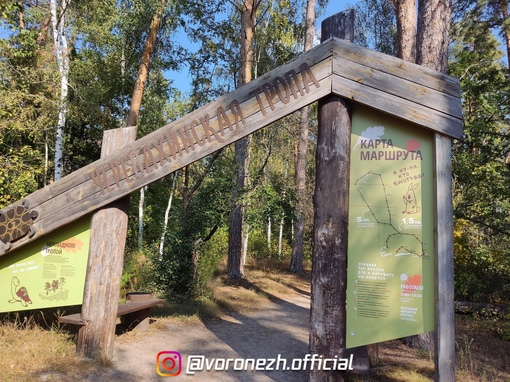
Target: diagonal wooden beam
[
  {"x": 198, "y": 134},
  {"x": 411, "y": 92}
]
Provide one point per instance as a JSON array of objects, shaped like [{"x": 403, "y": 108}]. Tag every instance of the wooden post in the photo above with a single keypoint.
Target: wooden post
[
  {"x": 104, "y": 269},
  {"x": 445, "y": 311},
  {"x": 331, "y": 205}
]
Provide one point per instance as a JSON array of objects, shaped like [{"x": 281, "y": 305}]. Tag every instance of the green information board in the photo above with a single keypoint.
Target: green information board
[
  {"x": 390, "y": 277},
  {"x": 50, "y": 272}
]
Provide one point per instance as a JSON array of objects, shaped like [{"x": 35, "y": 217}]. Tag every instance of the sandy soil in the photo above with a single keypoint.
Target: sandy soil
[{"x": 278, "y": 330}]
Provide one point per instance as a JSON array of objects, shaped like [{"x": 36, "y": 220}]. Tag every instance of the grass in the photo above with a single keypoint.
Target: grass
[
  {"x": 35, "y": 347},
  {"x": 29, "y": 350}
]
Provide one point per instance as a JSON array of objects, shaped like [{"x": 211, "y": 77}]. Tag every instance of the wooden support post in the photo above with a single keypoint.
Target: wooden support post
[
  {"x": 104, "y": 269},
  {"x": 445, "y": 310},
  {"x": 331, "y": 206}
]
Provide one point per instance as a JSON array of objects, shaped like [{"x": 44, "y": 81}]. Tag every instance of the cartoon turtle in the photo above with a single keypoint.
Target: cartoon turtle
[
  {"x": 16, "y": 222},
  {"x": 19, "y": 294}
]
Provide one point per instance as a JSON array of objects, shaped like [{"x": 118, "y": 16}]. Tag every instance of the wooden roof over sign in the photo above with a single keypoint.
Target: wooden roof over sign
[
  {"x": 408, "y": 91},
  {"x": 397, "y": 87}
]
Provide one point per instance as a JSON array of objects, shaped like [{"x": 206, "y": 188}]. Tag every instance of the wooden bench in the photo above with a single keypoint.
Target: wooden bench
[{"x": 134, "y": 315}]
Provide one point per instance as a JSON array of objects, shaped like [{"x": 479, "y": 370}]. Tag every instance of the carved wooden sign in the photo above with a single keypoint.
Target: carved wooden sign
[{"x": 425, "y": 97}]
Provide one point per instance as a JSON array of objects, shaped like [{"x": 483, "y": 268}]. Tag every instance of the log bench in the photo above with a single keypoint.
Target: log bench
[{"x": 134, "y": 314}]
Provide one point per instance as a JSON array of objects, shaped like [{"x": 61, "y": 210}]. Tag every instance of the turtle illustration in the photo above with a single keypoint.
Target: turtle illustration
[
  {"x": 19, "y": 294},
  {"x": 16, "y": 222}
]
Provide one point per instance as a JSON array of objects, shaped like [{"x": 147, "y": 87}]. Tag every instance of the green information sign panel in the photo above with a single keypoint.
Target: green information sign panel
[
  {"x": 390, "y": 281},
  {"x": 50, "y": 272}
]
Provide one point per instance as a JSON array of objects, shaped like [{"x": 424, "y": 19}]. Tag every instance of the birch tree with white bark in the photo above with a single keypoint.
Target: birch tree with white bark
[{"x": 58, "y": 19}]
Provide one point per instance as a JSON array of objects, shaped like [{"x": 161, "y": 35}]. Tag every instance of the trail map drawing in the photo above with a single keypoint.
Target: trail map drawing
[{"x": 371, "y": 187}]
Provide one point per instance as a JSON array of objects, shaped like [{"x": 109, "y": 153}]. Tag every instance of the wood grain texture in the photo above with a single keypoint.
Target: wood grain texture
[
  {"x": 399, "y": 88},
  {"x": 129, "y": 307},
  {"x": 444, "y": 293},
  {"x": 419, "y": 93},
  {"x": 331, "y": 208},
  {"x": 398, "y": 107},
  {"x": 328, "y": 314},
  {"x": 397, "y": 67},
  {"x": 104, "y": 269}
]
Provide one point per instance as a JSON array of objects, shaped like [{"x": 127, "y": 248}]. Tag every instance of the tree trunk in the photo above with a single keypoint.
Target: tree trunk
[
  {"x": 136, "y": 98},
  {"x": 143, "y": 70},
  {"x": 269, "y": 236},
  {"x": 280, "y": 238},
  {"x": 503, "y": 4},
  {"x": 62, "y": 55},
  {"x": 189, "y": 246},
  {"x": 141, "y": 208},
  {"x": 235, "y": 263},
  {"x": 242, "y": 148},
  {"x": 167, "y": 214},
  {"x": 433, "y": 34},
  {"x": 296, "y": 261},
  {"x": 405, "y": 11}
]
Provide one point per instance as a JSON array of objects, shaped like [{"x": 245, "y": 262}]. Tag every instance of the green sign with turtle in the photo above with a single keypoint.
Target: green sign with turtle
[{"x": 49, "y": 272}]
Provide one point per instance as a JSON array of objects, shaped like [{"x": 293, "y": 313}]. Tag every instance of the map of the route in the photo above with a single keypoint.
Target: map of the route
[
  {"x": 371, "y": 188},
  {"x": 390, "y": 277}
]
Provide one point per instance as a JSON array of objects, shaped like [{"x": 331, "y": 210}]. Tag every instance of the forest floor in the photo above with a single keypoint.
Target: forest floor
[{"x": 263, "y": 316}]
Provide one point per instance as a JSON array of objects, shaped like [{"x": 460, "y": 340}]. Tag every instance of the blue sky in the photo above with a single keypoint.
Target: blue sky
[{"x": 335, "y": 6}]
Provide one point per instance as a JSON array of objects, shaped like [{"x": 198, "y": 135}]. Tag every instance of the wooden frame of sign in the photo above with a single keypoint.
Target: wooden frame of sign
[{"x": 399, "y": 88}]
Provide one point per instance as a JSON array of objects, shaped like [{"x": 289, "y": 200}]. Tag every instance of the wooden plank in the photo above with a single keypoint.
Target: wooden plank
[
  {"x": 398, "y": 107},
  {"x": 445, "y": 310},
  {"x": 130, "y": 307},
  {"x": 397, "y": 67},
  {"x": 233, "y": 116},
  {"x": 73, "y": 319},
  {"x": 365, "y": 74}
]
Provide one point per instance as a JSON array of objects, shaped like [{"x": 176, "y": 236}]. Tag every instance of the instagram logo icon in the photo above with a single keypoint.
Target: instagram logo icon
[{"x": 168, "y": 363}]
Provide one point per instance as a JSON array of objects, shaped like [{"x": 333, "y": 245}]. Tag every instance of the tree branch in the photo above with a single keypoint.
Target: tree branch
[{"x": 205, "y": 172}]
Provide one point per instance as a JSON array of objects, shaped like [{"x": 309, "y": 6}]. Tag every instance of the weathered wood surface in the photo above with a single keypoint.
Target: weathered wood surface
[
  {"x": 398, "y": 67},
  {"x": 328, "y": 314},
  {"x": 128, "y": 307},
  {"x": 104, "y": 268},
  {"x": 233, "y": 116},
  {"x": 444, "y": 292},
  {"x": 136, "y": 315},
  {"x": 73, "y": 319},
  {"x": 399, "y": 88}
]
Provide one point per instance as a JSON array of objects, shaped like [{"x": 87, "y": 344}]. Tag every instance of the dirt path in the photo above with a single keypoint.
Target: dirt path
[{"x": 278, "y": 330}]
